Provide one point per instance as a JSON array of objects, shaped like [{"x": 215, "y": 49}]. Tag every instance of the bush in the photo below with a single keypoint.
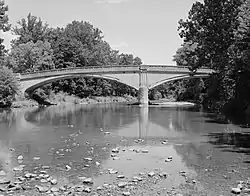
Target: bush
[{"x": 8, "y": 87}]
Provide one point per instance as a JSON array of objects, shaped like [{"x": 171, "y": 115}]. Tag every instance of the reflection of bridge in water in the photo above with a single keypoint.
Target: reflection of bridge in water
[
  {"x": 126, "y": 121},
  {"x": 110, "y": 117}
]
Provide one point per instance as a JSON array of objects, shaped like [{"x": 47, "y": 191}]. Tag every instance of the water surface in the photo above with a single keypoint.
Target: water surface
[{"x": 216, "y": 155}]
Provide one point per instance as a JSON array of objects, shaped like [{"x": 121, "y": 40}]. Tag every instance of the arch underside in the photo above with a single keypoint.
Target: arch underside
[
  {"x": 180, "y": 77},
  {"x": 31, "y": 85},
  {"x": 131, "y": 80}
]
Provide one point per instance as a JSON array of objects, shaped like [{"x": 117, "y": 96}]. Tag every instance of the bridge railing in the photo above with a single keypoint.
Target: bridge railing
[
  {"x": 96, "y": 68},
  {"x": 114, "y": 67}
]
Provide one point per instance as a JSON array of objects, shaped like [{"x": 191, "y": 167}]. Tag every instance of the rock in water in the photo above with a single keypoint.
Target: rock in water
[
  {"x": 20, "y": 157},
  {"x": 122, "y": 184},
  {"x": 126, "y": 193},
  {"x": 151, "y": 174},
  {"x": 236, "y": 190},
  {"x": 2, "y": 173}
]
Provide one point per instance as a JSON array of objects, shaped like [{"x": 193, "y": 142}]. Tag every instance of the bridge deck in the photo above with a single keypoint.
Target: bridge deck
[{"x": 161, "y": 69}]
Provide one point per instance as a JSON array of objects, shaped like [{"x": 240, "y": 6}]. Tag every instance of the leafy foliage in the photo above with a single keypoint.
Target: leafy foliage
[
  {"x": 31, "y": 57},
  {"x": 30, "y": 29},
  {"x": 216, "y": 35},
  {"x": 8, "y": 87},
  {"x": 8, "y": 83},
  {"x": 4, "y": 26}
]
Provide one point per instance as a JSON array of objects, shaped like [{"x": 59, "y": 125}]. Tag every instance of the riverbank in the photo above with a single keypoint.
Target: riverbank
[
  {"x": 172, "y": 103},
  {"x": 61, "y": 99}
]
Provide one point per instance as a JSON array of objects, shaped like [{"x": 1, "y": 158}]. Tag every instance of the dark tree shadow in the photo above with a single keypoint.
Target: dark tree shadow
[
  {"x": 215, "y": 118},
  {"x": 231, "y": 142}
]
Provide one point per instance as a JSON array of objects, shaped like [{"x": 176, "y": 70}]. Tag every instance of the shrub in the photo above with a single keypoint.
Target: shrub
[{"x": 8, "y": 87}]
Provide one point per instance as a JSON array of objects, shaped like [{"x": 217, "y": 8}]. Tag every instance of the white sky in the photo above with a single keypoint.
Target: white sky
[{"x": 145, "y": 28}]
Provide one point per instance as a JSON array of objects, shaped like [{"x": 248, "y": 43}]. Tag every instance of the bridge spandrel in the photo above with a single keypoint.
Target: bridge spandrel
[{"x": 129, "y": 75}]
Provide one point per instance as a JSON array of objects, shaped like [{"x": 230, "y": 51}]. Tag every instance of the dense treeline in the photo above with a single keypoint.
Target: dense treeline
[
  {"x": 8, "y": 83},
  {"x": 39, "y": 47},
  {"x": 217, "y": 35},
  {"x": 79, "y": 44}
]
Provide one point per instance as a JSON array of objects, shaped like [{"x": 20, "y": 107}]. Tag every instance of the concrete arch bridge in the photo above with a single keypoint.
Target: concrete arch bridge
[{"x": 142, "y": 77}]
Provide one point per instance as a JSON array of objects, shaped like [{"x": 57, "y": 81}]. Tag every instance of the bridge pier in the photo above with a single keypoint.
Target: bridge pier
[{"x": 143, "y": 87}]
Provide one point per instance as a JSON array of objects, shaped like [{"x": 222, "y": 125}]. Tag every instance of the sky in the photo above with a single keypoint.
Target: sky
[{"x": 145, "y": 28}]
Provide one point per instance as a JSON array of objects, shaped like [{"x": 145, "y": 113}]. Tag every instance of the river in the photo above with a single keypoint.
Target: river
[{"x": 214, "y": 155}]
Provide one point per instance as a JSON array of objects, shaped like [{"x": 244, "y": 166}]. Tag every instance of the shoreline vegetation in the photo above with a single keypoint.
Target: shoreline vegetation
[{"x": 63, "y": 98}]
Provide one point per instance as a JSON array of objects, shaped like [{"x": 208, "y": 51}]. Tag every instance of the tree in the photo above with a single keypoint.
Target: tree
[
  {"x": 31, "y": 57},
  {"x": 128, "y": 59},
  {"x": 213, "y": 26},
  {"x": 4, "y": 26},
  {"x": 30, "y": 29},
  {"x": 187, "y": 55},
  {"x": 8, "y": 87},
  {"x": 137, "y": 61}
]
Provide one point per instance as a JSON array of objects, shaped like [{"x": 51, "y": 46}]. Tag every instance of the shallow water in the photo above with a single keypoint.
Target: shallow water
[{"x": 216, "y": 155}]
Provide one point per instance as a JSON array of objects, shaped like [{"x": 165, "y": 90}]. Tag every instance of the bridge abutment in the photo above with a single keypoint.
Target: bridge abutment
[{"x": 143, "y": 87}]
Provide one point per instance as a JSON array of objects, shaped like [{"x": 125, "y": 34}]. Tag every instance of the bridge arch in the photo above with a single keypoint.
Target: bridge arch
[
  {"x": 141, "y": 78},
  {"x": 176, "y": 78},
  {"x": 30, "y": 86}
]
